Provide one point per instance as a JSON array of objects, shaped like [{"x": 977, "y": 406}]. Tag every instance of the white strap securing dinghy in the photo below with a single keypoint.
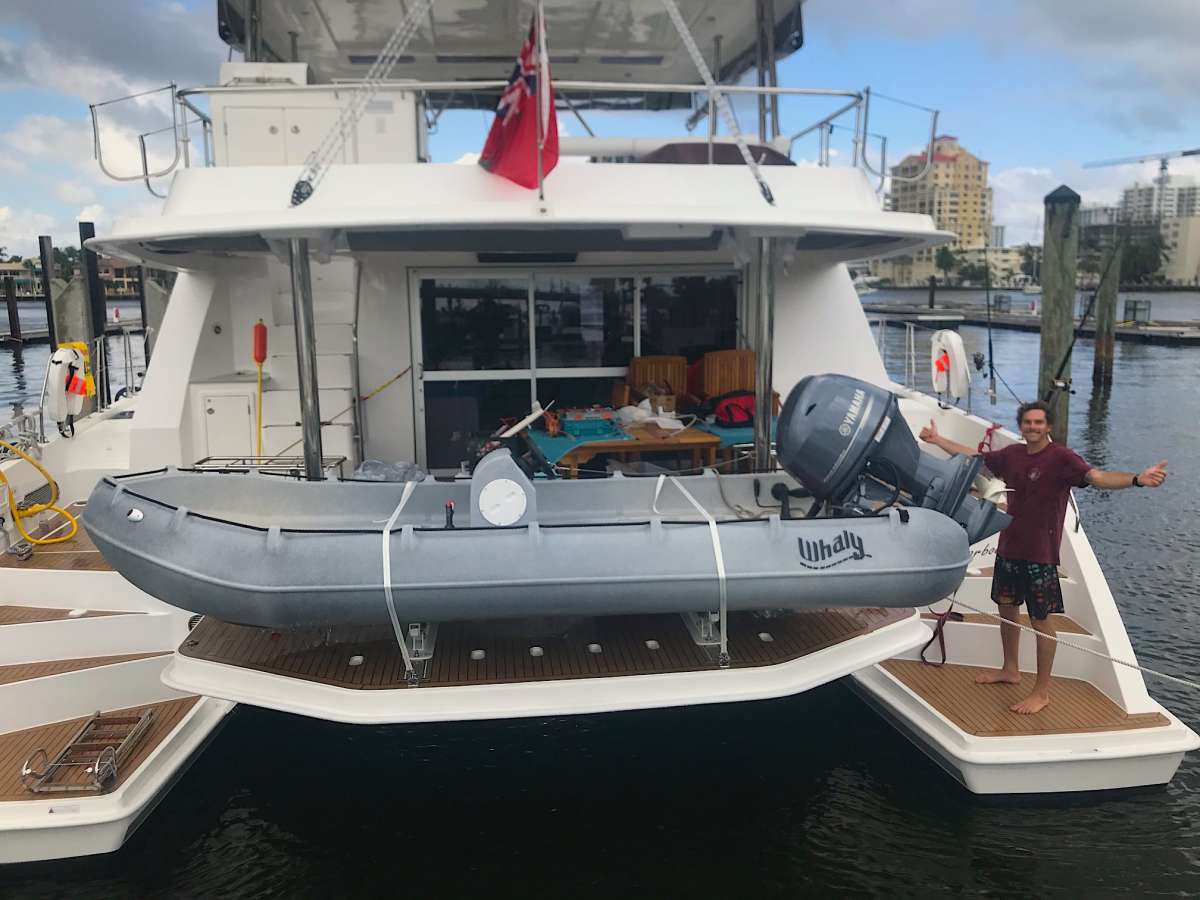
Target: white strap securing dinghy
[
  {"x": 387, "y": 580},
  {"x": 723, "y": 610}
]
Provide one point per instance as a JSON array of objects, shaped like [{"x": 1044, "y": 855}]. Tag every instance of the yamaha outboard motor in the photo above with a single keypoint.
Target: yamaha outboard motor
[{"x": 845, "y": 440}]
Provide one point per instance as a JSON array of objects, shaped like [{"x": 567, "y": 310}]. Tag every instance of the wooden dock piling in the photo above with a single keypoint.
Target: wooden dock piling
[
  {"x": 46, "y": 248},
  {"x": 97, "y": 306},
  {"x": 1106, "y": 317},
  {"x": 14, "y": 314},
  {"x": 1059, "y": 256}
]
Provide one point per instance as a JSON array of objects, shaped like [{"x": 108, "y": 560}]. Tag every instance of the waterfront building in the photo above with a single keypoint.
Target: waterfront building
[
  {"x": 1097, "y": 214},
  {"x": 1166, "y": 198},
  {"x": 120, "y": 277},
  {"x": 1182, "y": 237},
  {"x": 954, "y": 191},
  {"x": 1004, "y": 263},
  {"x": 24, "y": 278}
]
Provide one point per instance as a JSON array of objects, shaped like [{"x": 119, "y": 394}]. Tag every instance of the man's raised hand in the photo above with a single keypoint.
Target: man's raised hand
[
  {"x": 1154, "y": 476},
  {"x": 930, "y": 434}
]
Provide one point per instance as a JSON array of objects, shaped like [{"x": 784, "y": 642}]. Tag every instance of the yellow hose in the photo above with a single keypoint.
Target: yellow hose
[
  {"x": 258, "y": 453},
  {"x": 19, "y": 514}
]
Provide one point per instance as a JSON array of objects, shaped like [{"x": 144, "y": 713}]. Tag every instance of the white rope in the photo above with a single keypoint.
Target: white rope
[
  {"x": 317, "y": 162},
  {"x": 1120, "y": 662},
  {"x": 717, "y": 555},
  {"x": 387, "y": 575},
  {"x": 722, "y": 103}
]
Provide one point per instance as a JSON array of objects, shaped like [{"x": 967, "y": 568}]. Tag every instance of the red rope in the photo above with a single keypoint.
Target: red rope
[
  {"x": 939, "y": 633},
  {"x": 986, "y": 443}
]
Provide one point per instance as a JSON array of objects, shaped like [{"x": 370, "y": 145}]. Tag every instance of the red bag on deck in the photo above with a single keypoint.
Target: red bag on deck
[{"x": 735, "y": 408}]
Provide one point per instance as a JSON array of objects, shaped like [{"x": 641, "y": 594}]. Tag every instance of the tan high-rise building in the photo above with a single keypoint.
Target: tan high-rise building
[{"x": 954, "y": 192}]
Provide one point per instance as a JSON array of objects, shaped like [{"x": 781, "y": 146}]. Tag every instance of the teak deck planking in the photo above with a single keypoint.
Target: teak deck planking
[
  {"x": 77, "y": 554},
  {"x": 26, "y": 671},
  {"x": 24, "y": 615},
  {"x": 623, "y": 640},
  {"x": 1076, "y": 706},
  {"x": 1062, "y": 623},
  {"x": 17, "y": 746}
]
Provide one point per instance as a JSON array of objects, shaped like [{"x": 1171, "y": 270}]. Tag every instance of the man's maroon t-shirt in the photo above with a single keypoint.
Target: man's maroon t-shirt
[{"x": 1039, "y": 484}]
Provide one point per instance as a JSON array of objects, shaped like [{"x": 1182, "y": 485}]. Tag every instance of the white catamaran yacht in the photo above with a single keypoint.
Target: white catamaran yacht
[{"x": 407, "y": 309}]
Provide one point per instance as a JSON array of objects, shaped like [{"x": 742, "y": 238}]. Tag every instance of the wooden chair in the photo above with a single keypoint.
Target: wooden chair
[
  {"x": 668, "y": 371},
  {"x": 723, "y": 371}
]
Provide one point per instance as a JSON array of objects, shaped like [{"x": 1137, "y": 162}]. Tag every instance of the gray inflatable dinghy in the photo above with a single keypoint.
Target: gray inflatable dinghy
[{"x": 265, "y": 550}]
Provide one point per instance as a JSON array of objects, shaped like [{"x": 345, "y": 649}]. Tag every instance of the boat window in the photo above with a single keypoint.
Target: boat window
[
  {"x": 490, "y": 346},
  {"x": 688, "y": 315},
  {"x": 460, "y": 415},
  {"x": 475, "y": 324},
  {"x": 574, "y": 393},
  {"x": 583, "y": 322}
]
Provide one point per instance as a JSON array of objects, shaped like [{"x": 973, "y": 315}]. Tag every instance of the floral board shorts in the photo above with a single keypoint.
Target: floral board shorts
[{"x": 1015, "y": 581}]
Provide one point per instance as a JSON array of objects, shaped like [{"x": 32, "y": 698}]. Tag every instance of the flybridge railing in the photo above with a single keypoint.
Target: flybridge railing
[
  {"x": 570, "y": 94},
  {"x": 183, "y": 114}
]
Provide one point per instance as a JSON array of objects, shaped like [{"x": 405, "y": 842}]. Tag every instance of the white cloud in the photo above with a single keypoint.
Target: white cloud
[
  {"x": 39, "y": 138},
  {"x": 467, "y": 159},
  {"x": 72, "y": 192},
  {"x": 93, "y": 212},
  {"x": 19, "y": 229},
  {"x": 1019, "y": 192},
  {"x": 96, "y": 52}
]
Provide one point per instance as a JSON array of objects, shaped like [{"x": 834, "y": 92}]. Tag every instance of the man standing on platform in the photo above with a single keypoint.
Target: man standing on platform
[{"x": 1039, "y": 475}]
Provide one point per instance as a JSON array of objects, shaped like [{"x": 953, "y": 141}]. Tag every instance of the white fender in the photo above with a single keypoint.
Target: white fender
[
  {"x": 948, "y": 361},
  {"x": 61, "y": 403}
]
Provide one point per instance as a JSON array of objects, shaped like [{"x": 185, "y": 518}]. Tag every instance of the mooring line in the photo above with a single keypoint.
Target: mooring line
[{"x": 1121, "y": 662}]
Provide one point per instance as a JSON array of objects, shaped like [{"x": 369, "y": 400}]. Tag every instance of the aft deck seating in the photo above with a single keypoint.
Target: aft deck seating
[
  {"x": 725, "y": 371},
  {"x": 667, "y": 371}
]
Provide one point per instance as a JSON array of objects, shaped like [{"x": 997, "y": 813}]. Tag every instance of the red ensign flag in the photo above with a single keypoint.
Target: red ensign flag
[{"x": 525, "y": 123}]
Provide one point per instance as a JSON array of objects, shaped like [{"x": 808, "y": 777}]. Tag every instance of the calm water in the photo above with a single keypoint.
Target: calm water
[
  {"x": 22, "y": 371},
  {"x": 809, "y": 795}
]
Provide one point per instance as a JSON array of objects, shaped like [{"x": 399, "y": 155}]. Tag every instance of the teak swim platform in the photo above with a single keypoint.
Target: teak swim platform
[{"x": 493, "y": 652}]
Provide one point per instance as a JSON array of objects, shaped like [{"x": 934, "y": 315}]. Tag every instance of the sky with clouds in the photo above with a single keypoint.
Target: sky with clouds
[{"x": 1035, "y": 87}]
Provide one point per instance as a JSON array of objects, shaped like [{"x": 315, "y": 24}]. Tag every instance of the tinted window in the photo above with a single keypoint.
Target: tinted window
[
  {"x": 689, "y": 315},
  {"x": 475, "y": 324}
]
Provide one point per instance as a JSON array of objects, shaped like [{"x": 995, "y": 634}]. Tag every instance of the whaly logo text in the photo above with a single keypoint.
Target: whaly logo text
[{"x": 824, "y": 554}]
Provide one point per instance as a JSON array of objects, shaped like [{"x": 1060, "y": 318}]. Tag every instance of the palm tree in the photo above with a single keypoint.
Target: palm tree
[{"x": 946, "y": 261}]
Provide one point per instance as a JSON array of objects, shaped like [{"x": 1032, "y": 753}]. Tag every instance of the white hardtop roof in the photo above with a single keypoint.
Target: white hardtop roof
[
  {"x": 588, "y": 206},
  {"x": 589, "y": 40}
]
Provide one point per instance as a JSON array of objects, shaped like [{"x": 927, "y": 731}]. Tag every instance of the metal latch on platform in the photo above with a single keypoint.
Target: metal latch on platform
[{"x": 22, "y": 550}]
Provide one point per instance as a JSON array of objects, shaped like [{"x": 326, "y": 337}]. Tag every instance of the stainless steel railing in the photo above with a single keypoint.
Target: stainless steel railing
[
  {"x": 181, "y": 110},
  {"x": 185, "y": 113},
  {"x": 24, "y": 431}
]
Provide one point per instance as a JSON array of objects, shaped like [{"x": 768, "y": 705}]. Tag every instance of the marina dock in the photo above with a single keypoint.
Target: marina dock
[
  {"x": 1164, "y": 333},
  {"x": 42, "y": 335}
]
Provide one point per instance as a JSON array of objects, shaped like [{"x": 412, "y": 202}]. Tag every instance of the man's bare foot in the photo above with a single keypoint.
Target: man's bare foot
[
  {"x": 1034, "y": 703},
  {"x": 999, "y": 676}
]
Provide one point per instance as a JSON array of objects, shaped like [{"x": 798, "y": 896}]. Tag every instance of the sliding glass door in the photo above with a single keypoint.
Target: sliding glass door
[
  {"x": 475, "y": 362},
  {"x": 488, "y": 346}
]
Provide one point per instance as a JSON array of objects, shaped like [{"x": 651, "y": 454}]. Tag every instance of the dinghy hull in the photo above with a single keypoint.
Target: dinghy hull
[{"x": 252, "y": 572}]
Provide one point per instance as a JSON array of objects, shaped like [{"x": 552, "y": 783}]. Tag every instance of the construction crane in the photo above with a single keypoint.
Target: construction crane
[{"x": 1162, "y": 159}]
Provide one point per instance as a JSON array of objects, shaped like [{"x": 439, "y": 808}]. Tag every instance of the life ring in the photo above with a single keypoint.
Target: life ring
[
  {"x": 948, "y": 360},
  {"x": 66, "y": 384}
]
